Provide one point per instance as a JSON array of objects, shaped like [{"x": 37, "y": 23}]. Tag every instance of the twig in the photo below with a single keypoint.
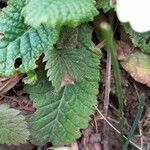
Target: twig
[
  {"x": 95, "y": 122},
  {"x": 10, "y": 83},
  {"x": 107, "y": 85},
  {"x": 100, "y": 45},
  {"x": 106, "y": 101},
  {"x": 74, "y": 146},
  {"x": 116, "y": 129}
]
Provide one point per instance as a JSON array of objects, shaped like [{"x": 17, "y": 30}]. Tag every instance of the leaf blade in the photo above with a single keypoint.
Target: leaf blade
[
  {"x": 59, "y": 12},
  {"x": 60, "y": 116},
  {"x": 13, "y": 127},
  {"x": 62, "y": 113},
  {"x": 69, "y": 61},
  {"x": 20, "y": 41}
]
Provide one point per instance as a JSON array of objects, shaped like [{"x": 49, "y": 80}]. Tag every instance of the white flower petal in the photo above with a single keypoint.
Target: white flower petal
[{"x": 136, "y": 12}]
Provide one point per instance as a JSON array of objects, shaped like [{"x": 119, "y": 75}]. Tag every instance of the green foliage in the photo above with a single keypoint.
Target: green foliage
[
  {"x": 31, "y": 78},
  {"x": 104, "y": 5},
  {"x": 59, "y": 12},
  {"x": 65, "y": 102},
  {"x": 61, "y": 114},
  {"x": 72, "y": 57},
  {"x": 13, "y": 127},
  {"x": 21, "y": 41},
  {"x": 141, "y": 40},
  {"x": 26, "y": 43}
]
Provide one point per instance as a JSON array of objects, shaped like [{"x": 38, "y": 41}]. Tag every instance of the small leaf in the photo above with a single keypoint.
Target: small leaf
[
  {"x": 73, "y": 56},
  {"x": 141, "y": 40},
  {"x": 13, "y": 127},
  {"x": 104, "y": 5},
  {"x": 59, "y": 12},
  {"x": 138, "y": 65},
  {"x": 31, "y": 78}
]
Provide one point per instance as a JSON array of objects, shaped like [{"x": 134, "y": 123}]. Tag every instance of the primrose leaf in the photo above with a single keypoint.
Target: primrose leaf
[
  {"x": 72, "y": 57},
  {"x": 141, "y": 40},
  {"x": 60, "y": 116},
  {"x": 138, "y": 65},
  {"x": 13, "y": 127},
  {"x": 62, "y": 113},
  {"x": 59, "y": 12},
  {"x": 104, "y": 5},
  {"x": 20, "y": 42}
]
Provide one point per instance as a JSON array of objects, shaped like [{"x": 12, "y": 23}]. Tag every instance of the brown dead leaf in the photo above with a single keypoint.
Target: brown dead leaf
[
  {"x": 3, "y": 79},
  {"x": 123, "y": 50},
  {"x": 138, "y": 66}
]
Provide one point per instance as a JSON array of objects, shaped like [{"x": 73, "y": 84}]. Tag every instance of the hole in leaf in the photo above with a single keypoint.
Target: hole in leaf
[
  {"x": 18, "y": 62},
  {"x": 2, "y": 4},
  {"x": 148, "y": 40}
]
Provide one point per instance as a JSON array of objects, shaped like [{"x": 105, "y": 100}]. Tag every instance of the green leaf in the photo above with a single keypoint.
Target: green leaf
[
  {"x": 141, "y": 40},
  {"x": 13, "y": 127},
  {"x": 20, "y": 41},
  {"x": 61, "y": 114},
  {"x": 104, "y": 5},
  {"x": 59, "y": 12},
  {"x": 72, "y": 58}
]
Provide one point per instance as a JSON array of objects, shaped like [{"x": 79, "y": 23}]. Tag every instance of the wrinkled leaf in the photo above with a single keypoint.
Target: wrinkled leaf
[
  {"x": 21, "y": 42},
  {"x": 62, "y": 113},
  {"x": 13, "y": 127},
  {"x": 104, "y": 5},
  {"x": 59, "y": 12},
  {"x": 74, "y": 55}
]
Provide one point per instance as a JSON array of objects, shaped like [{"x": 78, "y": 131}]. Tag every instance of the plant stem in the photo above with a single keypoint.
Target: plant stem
[{"x": 109, "y": 43}]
